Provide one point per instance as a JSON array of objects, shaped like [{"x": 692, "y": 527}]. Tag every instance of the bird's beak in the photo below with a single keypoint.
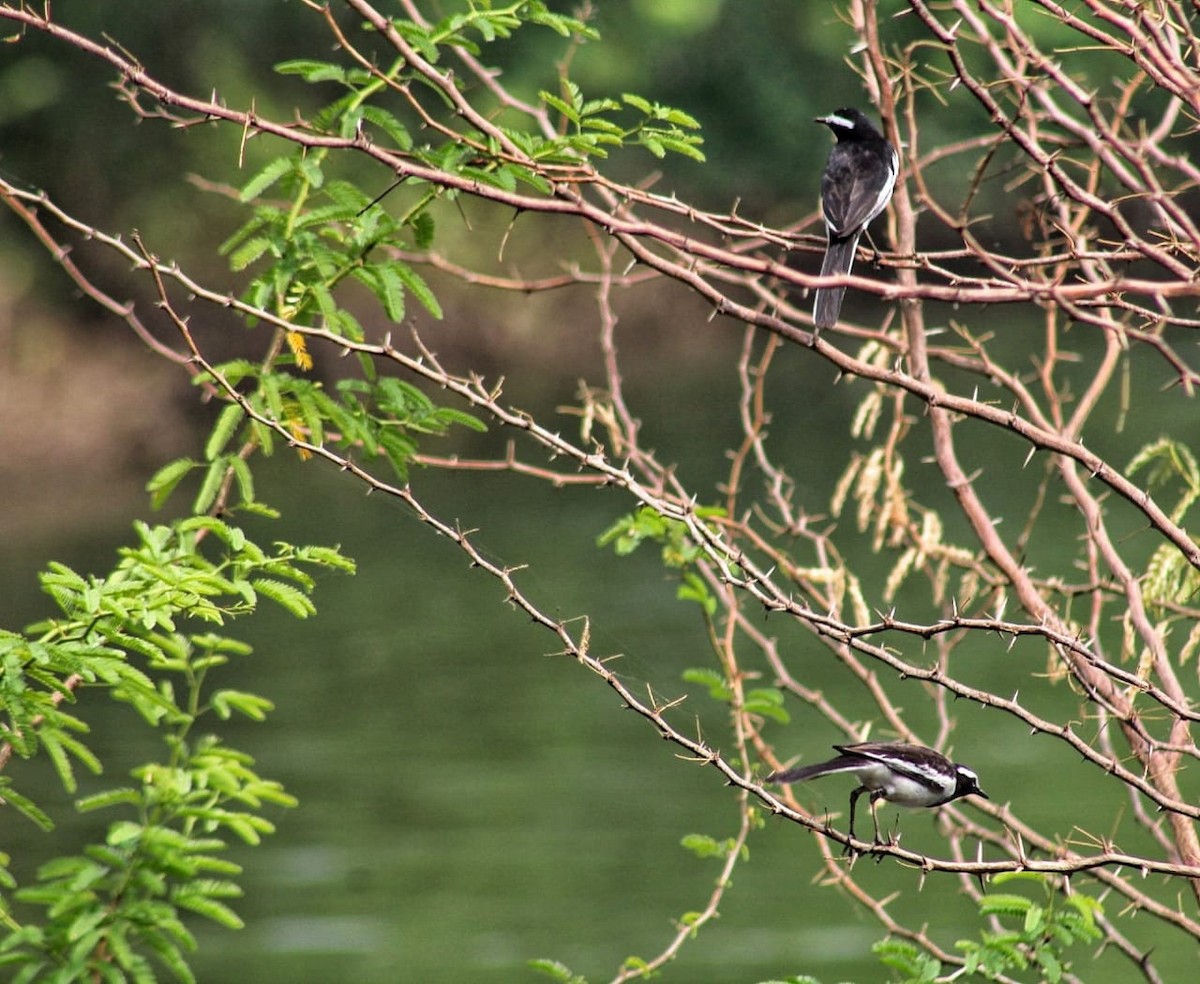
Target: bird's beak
[
  {"x": 980, "y": 792},
  {"x": 821, "y": 119}
]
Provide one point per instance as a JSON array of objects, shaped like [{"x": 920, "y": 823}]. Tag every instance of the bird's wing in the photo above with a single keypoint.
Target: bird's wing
[
  {"x": 851, "y": 192},
  {"x": 885, "y": 753}
]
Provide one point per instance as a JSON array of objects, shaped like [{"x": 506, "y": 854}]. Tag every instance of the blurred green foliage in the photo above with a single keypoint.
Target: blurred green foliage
[{"x": 745, "y": 71}]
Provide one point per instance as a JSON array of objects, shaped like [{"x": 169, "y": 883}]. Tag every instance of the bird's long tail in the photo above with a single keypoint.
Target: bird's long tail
[
  {"x": 843, "y": 763},
  {"x": 839, "y": 258}
]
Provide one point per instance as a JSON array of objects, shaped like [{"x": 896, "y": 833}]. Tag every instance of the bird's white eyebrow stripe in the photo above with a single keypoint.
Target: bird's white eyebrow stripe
[{"x": 841, "y": 121}]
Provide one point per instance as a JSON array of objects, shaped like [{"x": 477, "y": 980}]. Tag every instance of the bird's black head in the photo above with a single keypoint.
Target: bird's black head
[
  {"x": 967, "y": 783},
  {"x": 848, "y": 123}
]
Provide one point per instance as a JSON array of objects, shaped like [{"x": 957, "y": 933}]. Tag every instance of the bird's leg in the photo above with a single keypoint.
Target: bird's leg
[
  {"x": 875, "y": 798},
  {"x": 853, "y": 801},
  {"x": 877, "y": 258}
]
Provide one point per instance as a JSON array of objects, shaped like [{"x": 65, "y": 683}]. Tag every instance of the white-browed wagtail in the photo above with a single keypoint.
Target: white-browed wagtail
[
  {"x": 855, "y": 187},
  {"x": 907, "y": 775}
]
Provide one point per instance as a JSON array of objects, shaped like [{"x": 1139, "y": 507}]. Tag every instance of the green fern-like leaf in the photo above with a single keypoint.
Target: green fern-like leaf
[
  {"x": 211, "y": 485},
  {"x": 210, "y": 908},
  {"x": 27, "y": 808},
  {"x": 311, "y": 70},
  {"x": 1169, "y": 578},
  {"x": 910, "y": 960},
  {"x": 286, "y": 596},
  {"x": 556, "y": 971},
  {"x": 164, "y": 481},
  {"x": 225, "y": 702},
  {"x": 999, "y": 904},
  {"x": 415, "y": 284},
  {"x": 767, "y": 703},
  {"x": 124, "y": 795},
  {"x": 714, "y": 682},
  {"x": 266, "y": 177}
]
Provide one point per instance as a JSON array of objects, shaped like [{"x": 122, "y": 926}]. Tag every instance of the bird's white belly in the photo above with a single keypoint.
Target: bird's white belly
[{"x": 898, "y": 789}]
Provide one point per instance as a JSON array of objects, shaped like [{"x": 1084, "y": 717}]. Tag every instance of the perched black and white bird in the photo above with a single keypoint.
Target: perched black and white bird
[
  {"x": 907, "y": 775},
  {"x": 855, "y": 187}
]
